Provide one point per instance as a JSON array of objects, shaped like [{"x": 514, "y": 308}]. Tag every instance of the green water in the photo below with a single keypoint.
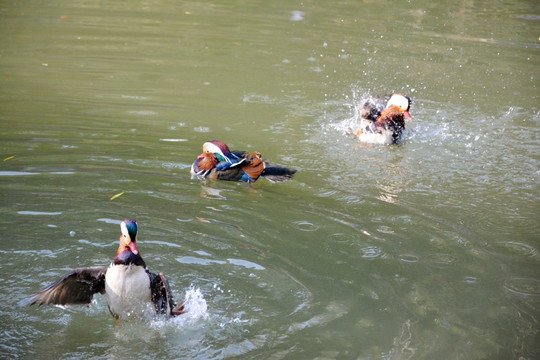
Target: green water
[{"x": 424, "y": 250}]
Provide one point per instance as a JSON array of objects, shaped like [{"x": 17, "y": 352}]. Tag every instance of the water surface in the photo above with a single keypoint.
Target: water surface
[{"x": 428, "y": 249}]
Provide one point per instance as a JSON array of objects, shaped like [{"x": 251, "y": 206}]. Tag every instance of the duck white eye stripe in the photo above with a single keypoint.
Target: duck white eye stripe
[
  {"x": 215, "y": 149},
  {"x": 399, "y": 100},
  {"x": 124, "y": 229}
]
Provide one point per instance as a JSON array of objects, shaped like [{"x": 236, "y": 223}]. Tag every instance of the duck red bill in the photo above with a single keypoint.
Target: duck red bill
[
  {"x": 133, "y": 247},
  {"x": 407, "y": 115}
]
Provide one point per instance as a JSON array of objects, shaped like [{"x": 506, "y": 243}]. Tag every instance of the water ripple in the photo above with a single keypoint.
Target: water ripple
[
  {"x": 408, "y": 258},
  {"x": 198, "y": 261},
  {"x": 17, "y": 173},
  {"x": 372, "y": 252},
  {"x": 333, "y": 311},
  {"x": 470, "y": 279},
  {"x": 523, "y": 286},
  {"x": 305, "y": 226},
  {"x": 27, "y": 173},
  {"x": 173, "y": 140},
  {"x": 441, "y": 260},
  {"x": 512, "y": 248},
  {"x": 110, "y": 221},
  {"x": 39, "y": 213},
  {"x": 246, "y": 264},
  {"x": 342, "y": 238}
]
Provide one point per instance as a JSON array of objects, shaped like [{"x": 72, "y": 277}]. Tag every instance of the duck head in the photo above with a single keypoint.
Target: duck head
[
  {"x": 402, "y": 102},
  {"x": 128, "y": 239},
  {"x": 206, "y": 161},
  {"x": 219, "y": 149}
]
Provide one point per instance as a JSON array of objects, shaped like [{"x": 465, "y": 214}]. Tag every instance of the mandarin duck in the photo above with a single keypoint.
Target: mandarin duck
[
  {"x": 131, "y": 289},
  {"x": 218, "y": 162},
  {"x": 384, "y": 126}
]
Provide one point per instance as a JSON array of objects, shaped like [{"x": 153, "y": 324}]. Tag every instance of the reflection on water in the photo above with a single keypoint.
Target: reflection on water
[
  {"x": 38, "y": 213},
  {"x": 427, "y": 249}
]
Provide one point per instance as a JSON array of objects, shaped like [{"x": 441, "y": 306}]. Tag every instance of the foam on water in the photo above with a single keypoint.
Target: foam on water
[{"x": 196, "y": 310}]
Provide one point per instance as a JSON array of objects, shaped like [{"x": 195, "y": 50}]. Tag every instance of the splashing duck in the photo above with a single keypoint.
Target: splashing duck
[
  {"x": 372, "y": 107},
  {"x": 384, "y": 126},
  {"x": 132, "y": 291},
  {"x": 218, "y": 162}
]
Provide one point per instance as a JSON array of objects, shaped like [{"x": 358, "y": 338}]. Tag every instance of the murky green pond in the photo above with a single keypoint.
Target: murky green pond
[{"x": 425, "y": 250}]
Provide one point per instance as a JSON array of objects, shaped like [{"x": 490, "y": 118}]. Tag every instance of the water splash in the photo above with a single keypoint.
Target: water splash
[
  {"x": 350, "y": 125},
  {"x": 196, "y": 310},
  {"x": 195, "y": 304}
]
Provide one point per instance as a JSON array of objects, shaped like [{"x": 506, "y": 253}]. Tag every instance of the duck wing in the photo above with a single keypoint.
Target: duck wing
[
  {"x": 162, "y": 296},
  {"x": 76, "y": 287},
  {"x": 242, "y": 170},
  {"x": 254, "y": 166},
  {"x": 372, "y": 107},
  {"x": 238, "y": 154}
]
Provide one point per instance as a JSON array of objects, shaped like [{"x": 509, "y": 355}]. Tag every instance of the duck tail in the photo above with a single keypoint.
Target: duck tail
[{"x": 277, "y": 173}]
